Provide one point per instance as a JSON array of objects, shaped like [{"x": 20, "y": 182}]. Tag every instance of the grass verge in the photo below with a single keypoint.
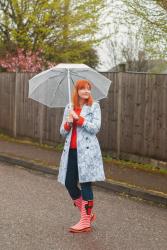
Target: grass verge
[{"x": 106, "y": 157}]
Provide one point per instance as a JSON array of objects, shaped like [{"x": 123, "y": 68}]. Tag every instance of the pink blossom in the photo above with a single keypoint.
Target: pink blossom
[{"x": 24, "y": 61}]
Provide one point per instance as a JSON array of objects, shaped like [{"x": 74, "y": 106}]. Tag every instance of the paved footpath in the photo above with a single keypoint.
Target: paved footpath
[{"x": 36, "y": 211}]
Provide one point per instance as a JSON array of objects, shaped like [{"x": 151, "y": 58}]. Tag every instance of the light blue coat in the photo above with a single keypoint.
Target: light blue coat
[{"x": 90, "y": 162}]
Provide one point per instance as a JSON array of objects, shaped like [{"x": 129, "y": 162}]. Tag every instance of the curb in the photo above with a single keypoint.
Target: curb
[
  {"x": 134, "y": 191},
  {"x": 107, "y": 185}
]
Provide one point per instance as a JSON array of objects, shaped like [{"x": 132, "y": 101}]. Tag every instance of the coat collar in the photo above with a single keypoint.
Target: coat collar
[{"x": 86, "y": 109}]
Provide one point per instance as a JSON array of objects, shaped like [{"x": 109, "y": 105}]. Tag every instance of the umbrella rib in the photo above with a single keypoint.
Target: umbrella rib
[
  {"x": 72, "y": 80},
  {"x": 78, "y": 75},
  {"x": 42, "y": 73},
  {"x": 55, "y": 70},
  {"x": 81, "y": 70},
  {"x": 54, "y": 76},
  {"x": 35, "y": 87},
  {"x": 57, "y": 88}
]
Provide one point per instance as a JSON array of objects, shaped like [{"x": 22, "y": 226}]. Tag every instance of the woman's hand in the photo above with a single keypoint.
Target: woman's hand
[
  {"x": 74, "y": 115},
  {"x": 70, "y": 118}
]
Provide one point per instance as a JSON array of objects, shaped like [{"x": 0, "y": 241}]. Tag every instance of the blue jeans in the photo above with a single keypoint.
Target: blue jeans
[{"x": 71, "y": 181}]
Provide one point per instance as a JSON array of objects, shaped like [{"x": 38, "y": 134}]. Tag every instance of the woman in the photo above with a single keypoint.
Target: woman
[{"x": 81, "y": 160}]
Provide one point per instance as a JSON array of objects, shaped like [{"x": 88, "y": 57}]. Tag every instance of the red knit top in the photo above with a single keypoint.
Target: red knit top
[{"x": 79, "y": 122}]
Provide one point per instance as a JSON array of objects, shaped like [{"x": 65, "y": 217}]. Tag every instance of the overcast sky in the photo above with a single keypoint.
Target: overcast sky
[{"x": 113, "y": 17}]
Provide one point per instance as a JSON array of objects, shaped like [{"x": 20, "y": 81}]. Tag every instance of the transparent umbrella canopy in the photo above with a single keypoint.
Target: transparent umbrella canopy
[{"x": 53, "y": 87}]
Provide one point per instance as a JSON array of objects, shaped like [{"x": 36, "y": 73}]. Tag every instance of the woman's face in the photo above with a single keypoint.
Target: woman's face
[{"x": 85, "y": 92}]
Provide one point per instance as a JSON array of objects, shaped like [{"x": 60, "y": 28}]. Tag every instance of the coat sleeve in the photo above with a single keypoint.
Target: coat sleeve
[
  {"x": 63, "y": 131},
  {"x": 93, "y": 127}
]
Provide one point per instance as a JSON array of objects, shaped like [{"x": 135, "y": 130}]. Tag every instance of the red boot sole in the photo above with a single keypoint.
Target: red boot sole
[{"x": 88, "y": 229}]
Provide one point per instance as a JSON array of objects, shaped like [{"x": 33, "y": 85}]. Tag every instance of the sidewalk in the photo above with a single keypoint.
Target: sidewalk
[{"x": 134, "y": 182}]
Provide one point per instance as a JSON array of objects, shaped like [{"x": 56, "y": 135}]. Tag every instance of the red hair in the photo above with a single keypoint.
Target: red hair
[{"x": 81, "y": 84}]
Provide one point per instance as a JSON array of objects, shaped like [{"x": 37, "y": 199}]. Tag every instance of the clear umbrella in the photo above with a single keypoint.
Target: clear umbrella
[{"x": 53, "y": 87}]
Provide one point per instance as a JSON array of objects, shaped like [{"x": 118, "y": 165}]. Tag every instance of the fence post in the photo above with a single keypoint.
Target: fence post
[
  {"x": 41, "y": 116},
  {"x": 16, "y": 94},
  {"x": 120, "y": 78}
]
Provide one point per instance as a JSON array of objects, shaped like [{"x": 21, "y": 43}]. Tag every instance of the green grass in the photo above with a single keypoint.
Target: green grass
[
  {"x": 34, "y": 142},
  {"x": 132, "y": 164}
]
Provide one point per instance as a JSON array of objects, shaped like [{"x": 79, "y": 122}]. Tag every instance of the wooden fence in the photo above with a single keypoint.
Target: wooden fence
[{"x": 134, "y": 116}]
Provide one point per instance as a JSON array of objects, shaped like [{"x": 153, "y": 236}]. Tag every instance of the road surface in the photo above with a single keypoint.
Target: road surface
[{"x": 36, "y": 212}]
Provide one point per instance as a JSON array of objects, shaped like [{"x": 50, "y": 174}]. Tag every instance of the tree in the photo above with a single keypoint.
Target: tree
[
  {"x": 162, "y": 3},
  {"x": 153, "y": 15},
  {"x": 125, "y": 48},
  {"x": 56, "y": 27},
  {"x": 23, "y": 61}
]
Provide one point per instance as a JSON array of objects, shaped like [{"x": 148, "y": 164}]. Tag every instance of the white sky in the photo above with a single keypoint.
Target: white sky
[{"x": 114, "y": 17}]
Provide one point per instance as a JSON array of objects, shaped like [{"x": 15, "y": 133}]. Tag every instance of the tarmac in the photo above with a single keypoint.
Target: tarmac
[
  {"x": 47, "y": 161},
  {"x": 36, "y": 212}
]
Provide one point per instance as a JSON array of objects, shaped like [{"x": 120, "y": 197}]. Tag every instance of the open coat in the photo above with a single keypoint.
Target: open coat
[{"x": 89, "y": 157}]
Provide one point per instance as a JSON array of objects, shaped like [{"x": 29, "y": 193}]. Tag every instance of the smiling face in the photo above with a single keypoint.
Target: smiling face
[
  {"x": 85, "y": 92},
  {"x": 82, "y": 93}
]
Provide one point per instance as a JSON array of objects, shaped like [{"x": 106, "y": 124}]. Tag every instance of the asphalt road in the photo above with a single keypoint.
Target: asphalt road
[{"x": 36, "y": 212}]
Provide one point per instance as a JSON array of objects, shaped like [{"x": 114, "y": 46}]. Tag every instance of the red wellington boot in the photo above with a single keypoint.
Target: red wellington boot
[
  {"x": 84, "y": 224},
  {"x": 78, "y": 203}
]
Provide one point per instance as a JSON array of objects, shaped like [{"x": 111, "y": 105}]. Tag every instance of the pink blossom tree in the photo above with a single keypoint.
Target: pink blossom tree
[{"x": 23, "y": 61}]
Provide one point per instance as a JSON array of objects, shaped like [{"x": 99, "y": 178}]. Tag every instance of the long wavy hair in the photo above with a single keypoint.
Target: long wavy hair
[{"x": 81, "y": 84}]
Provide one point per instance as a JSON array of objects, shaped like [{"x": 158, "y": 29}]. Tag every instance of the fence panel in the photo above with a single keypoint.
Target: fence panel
[{"x": 134, "y": 115}]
